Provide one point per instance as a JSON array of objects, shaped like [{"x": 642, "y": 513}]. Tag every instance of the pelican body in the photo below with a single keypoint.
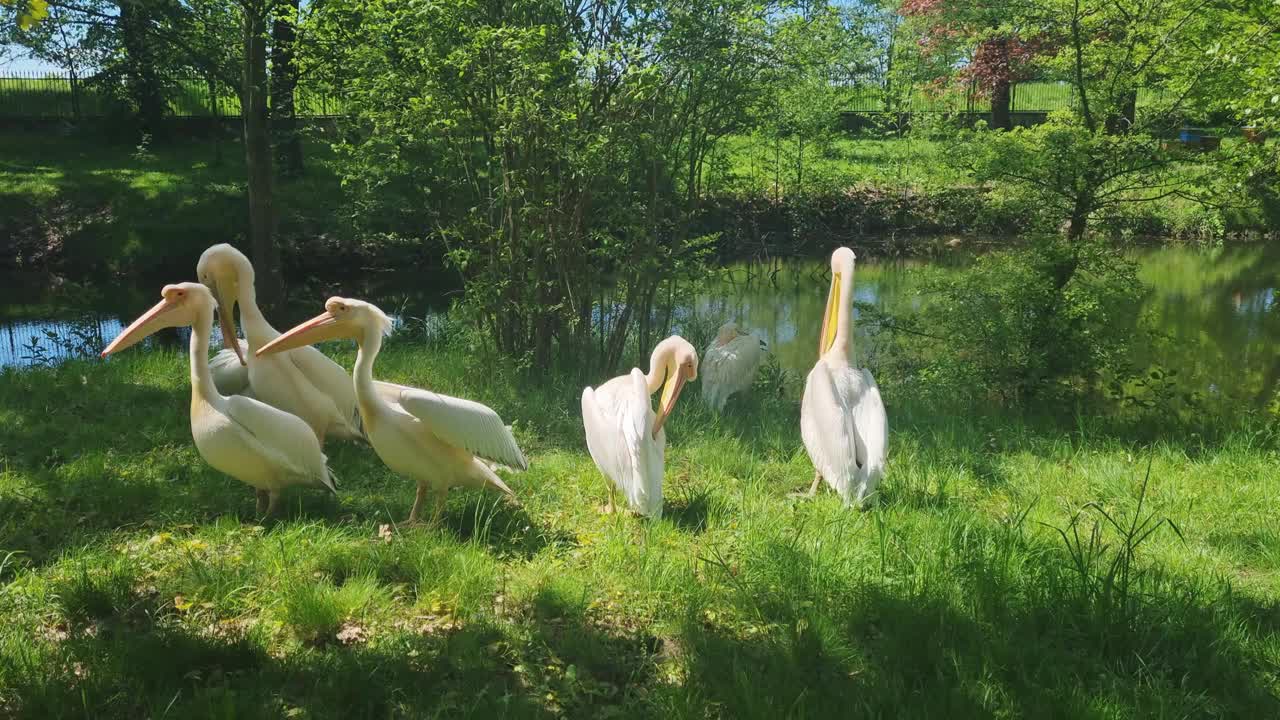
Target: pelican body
[
  {"x": 729, "y": 366},
  {"x": 625, "y": 436},
  {"x": 437, "y": 440},
  {"x": 257, "y": 444},
  {"x": 303, "y": 381},
  {"x": 842, "y": 417}
]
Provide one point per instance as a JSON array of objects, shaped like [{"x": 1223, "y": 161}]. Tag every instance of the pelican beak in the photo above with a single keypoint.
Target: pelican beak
[
  {"x": 830, "y": 316},
  {"x": 227, "y": 322},
  {"x": 670, "y": 392},
  {"x": 318, "y": 329},
  {"x": 142, "y": 327}
]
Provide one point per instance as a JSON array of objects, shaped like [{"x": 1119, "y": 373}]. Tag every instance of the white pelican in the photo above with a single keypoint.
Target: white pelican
[
  {"x": 624, "y": 436},
  {"x": 842, "y": 418},
  {"x": 251, "y": 441},
  {"x": 729, "y": 366},
  {"x": 435, "y": 439},
  {"x": 303, "y": 382}
]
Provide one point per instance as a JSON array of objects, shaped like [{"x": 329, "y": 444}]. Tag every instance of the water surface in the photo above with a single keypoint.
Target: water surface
[{"x": 1209, "y": 314}]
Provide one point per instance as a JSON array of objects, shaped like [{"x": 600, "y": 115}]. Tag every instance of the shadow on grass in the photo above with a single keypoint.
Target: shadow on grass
[{"x": 1031, "y": 642}]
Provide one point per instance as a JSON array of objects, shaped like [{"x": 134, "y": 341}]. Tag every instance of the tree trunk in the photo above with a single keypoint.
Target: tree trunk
[
  {"x": 1001, "y": 101},
  {"x": 257, "y": 153},
  {"x": 1121, "y": 121},
  {"x": 141, "y": 82},
  {"x": 284, "y": 80}
]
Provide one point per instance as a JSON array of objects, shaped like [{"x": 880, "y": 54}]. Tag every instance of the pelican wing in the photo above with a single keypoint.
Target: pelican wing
[
  {"x": 229, "y": 376},
  {"x": 332, "y": 380},
  {"x": 284, "y": 440},
  {"x": 730, "y": 368},
  {"x": 827, "y": 427},
  {"x": 872, "y": 426},
  {"x": 465, "y": 424},
  {"x": 617, "y": 418}
]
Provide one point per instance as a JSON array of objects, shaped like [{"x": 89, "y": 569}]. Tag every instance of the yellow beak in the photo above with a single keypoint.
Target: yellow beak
[
  {"x": 227, "y": 322},
  {"x": 830, "y": 317},
  {"x": 670, "y": 393},
  {"x": 140, "y": 328},
  {"x": 319, "y": 328}
]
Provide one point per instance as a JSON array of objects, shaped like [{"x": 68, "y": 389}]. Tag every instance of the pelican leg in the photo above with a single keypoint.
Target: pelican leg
[
  {"x": 261, "y": 496},
  {"x": 273, "y": 501},
  {"x": 609, "y": 508},
  {"x": 417, "y": 504},
  {"x": 813, "y": 489},
  {"x": 442, "y": 497}
]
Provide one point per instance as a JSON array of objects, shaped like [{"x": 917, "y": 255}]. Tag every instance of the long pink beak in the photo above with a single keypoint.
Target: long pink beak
[
  {"x": 138, "y": 329},
  {"x": 228, "y": 326},
  {"x": 320, "y": 327}
]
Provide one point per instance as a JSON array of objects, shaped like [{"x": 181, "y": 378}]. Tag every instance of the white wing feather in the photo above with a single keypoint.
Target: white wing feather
[
  {"x": 872, "y": 426},
  {"x": 283, "y": 439},
  {"x": 730, "y": 368},
  {"x": 229, "y": 376},
  {"x": 465, "y": 424},
  {"x": 826, "y": 425},
  {"x": 617, "y": 418}
]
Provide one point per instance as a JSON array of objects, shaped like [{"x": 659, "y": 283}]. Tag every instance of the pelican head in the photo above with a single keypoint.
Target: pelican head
[
  {"x": 842, "y": 261},
  {"x": 679, "y": 363},
  {"x": 223, "y": 268},
  {"x": 342, "y": 318},
  {"x": 728, "y": 333},
  {"x": 180, "y": 306}
]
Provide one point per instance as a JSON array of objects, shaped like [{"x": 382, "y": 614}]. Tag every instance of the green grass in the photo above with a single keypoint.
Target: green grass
[
  {"x": 135, "y": 583},
  {"x": 104, "y": 207}
]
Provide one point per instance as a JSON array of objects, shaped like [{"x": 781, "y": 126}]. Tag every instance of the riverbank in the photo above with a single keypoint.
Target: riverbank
[
  {"x": 82, "y": 208},
  {"x": 134, "y": 581}
]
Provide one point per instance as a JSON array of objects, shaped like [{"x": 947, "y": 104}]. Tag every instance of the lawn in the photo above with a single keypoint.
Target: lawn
[
  {"x": 135, "y": 582},
  {"x": 108, "y": 207}
]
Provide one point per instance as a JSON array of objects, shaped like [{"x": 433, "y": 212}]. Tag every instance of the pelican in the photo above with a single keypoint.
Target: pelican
[
  {"x": 842, "y": 418},
  {"x": 251, "y": 441},
  {"x": 303, "y": 382},
  {"x": 624, "y": 436},
  {"x": 435, "y": 439},
  {"x": 730, "y": 365}
]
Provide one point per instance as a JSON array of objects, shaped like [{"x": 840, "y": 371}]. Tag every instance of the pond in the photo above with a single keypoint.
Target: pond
[{"x": 1209, "y": 314}]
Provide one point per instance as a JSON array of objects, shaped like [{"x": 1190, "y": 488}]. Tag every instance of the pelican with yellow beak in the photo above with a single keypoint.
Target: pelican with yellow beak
[
  {"x": 624, "y": 435},
  {"x": 251, "y": 441},
  {"x": 842, "y": 418},
  {"x": 435, "y": 439}
]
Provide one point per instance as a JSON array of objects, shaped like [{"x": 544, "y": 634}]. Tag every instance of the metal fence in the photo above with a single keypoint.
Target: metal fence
[
  {"x": 54, "y": 95},
  {"x": 1039, "y": 96}
]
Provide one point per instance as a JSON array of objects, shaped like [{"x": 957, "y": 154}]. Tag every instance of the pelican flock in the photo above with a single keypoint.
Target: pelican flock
[
  {"x": 437, "y": 440},
  {"x": 257, "y": 444},
  {"x": 263, "y": 408},
  {"x": 625, "y": 437},
  {"x": 842, "y": 418},
  {"x": 730, "y": 364}
]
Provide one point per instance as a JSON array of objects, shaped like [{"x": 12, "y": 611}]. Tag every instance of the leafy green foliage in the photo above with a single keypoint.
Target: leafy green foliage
[{"x": 1028, "y": 322}]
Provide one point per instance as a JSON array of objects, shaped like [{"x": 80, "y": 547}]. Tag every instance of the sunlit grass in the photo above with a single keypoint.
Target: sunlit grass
[{"x": 136, "y": 582}]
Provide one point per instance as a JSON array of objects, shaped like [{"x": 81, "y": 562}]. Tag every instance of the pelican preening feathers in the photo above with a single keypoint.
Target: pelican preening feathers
[
  {"x": 624, "y": 435},
  {"x": 264, "y": 407},
  {"x": 729, "y": 366},
  {"x": 842, "y": 418}
]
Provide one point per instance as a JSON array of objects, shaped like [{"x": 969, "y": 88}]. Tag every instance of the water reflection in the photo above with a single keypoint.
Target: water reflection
[{"x": 1210, "y": 315}]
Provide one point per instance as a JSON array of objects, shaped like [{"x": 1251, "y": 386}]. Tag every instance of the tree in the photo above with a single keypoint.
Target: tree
[
  {"x": 284, "y": 83},
  {"x": 1004, "y": 42},
  {"x": 549, "y": 148}
]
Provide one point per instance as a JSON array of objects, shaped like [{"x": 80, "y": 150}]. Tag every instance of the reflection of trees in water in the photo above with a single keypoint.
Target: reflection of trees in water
[{"x": 1214, "y": 310}]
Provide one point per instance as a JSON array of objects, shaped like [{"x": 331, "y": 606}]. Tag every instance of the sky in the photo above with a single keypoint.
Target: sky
[{"x": 14, "y": 59}]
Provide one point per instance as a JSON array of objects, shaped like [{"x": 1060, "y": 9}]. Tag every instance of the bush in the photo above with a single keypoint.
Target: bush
[{"x": 1025, "y": 323}]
